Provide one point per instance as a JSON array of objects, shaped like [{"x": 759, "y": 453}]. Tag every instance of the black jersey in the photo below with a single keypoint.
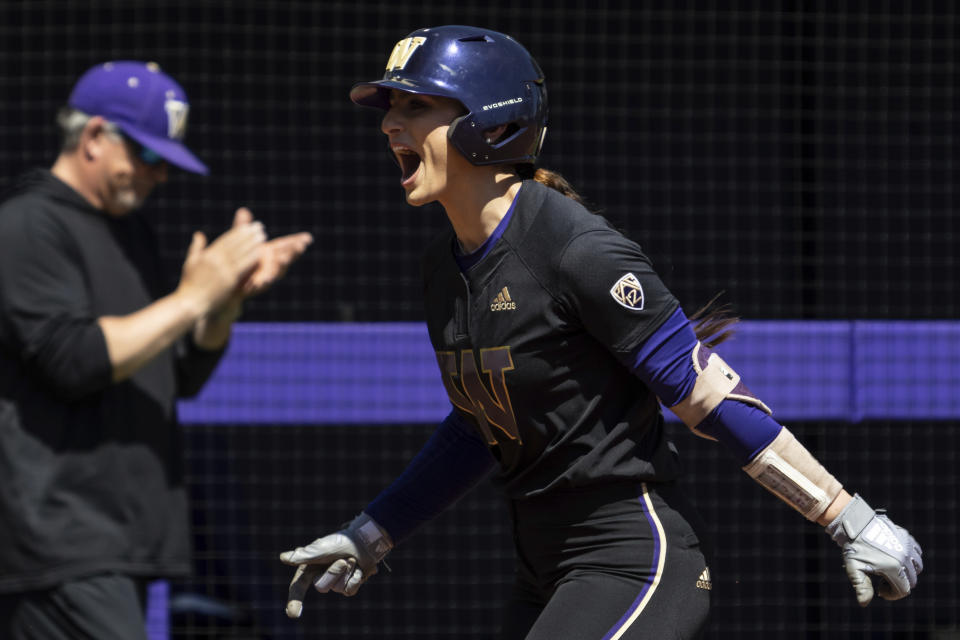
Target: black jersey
[{"x": 531, "y": 341}]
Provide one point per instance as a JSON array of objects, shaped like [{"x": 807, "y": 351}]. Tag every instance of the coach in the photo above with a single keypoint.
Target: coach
[{"x": 94, "y": 351}]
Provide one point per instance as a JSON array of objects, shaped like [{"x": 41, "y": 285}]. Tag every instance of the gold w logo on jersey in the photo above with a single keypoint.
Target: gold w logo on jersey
[
  {"x": 628, "y": 292},
  {"x": 491, "y": 407},
  {"x": 402, "y": 52}
]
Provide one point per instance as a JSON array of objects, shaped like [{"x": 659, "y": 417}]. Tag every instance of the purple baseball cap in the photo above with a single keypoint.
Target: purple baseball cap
[{"x": 145, "y": 103}]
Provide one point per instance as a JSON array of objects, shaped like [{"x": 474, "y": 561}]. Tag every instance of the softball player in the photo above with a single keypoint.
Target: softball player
[{"x": 556, "y": 343}]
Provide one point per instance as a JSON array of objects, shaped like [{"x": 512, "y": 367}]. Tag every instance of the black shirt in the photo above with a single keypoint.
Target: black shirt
[
  {"x": 91, "y": 472},
  {"x": 532, "y": 340}
]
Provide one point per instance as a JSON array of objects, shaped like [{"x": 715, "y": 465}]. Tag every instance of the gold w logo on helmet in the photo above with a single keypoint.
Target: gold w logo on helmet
[{"x": 402, "y": 52}]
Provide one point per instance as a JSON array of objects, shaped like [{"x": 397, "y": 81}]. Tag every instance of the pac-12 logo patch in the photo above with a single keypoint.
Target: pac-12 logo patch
[{"x": 628, "y": 292}]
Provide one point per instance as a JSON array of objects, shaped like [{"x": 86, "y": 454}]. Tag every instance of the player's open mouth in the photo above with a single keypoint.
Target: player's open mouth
[{"x": 409, "y": 163}]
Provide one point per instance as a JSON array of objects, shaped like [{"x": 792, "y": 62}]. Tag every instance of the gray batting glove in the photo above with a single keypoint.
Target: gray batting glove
[
  {"x": 875, "y": 547},
  {"x": 339, "y": 562}
]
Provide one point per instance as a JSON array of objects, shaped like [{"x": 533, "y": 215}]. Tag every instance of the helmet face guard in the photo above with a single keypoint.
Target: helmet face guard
[{"x": 496, "y": 80}]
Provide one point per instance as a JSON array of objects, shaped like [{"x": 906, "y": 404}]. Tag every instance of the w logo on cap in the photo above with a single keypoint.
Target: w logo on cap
[{"x": 177, "y": 111}]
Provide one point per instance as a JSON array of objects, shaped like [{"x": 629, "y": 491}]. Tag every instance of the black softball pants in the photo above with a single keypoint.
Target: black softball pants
[{"x": 607, "y": 563}]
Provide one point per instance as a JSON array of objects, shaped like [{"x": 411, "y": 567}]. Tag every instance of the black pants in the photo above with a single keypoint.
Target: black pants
[
  {"x": 103, "y": 607},
  {"x": 620, "y": 562}
]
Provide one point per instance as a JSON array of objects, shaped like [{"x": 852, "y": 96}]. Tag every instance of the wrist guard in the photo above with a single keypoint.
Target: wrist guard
[{"x": 789, "y": 471}]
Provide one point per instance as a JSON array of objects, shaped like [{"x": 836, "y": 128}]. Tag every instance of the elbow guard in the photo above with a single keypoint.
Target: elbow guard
[
  {"x": 716, "y": 381},
  {"x": 783, "y": 467}
]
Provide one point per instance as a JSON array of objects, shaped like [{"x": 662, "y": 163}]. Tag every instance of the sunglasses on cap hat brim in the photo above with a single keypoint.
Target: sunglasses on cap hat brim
[{"x": 145, "y": 154}]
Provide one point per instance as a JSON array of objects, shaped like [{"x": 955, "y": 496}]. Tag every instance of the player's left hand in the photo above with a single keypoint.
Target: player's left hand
[
  {"x": 276, "y": 256},
  {"x": 878, "y": 555}
]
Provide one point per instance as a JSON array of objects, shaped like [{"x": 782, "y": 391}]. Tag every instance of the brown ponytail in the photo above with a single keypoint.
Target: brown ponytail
[
  {"x": 550, "y": 179},
  {"x": 713, "y": 324}
]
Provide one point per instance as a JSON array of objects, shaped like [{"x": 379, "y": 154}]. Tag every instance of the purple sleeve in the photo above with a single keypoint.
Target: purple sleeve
[
  {"x": 743, "y": 429},
  {"x": 663, "y": 360},
  {"x": 452, "y": 462},
  {"x": 665, "y": 364}
]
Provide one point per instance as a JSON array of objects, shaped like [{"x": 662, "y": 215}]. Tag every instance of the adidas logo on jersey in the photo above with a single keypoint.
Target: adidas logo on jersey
[
  {"x": 503, "y": 302},
  {"x": 703, "y": 582}
]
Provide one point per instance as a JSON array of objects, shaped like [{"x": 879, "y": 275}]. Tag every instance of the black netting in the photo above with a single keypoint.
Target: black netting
[{"x": 797, "y": 155}]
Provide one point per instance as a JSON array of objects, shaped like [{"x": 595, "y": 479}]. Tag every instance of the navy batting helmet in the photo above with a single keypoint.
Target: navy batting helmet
[{"x": 490, "y": 73}]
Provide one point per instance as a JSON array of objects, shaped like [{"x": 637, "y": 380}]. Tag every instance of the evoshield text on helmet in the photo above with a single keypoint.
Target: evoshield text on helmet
[{"x": 489, "y": 73}]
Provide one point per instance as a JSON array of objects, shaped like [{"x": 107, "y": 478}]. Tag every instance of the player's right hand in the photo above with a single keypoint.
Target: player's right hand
[
  {"x": 874, "y": 548},
  {"x": 211, "y": 273},
  {"x": 339, "y": 562}
]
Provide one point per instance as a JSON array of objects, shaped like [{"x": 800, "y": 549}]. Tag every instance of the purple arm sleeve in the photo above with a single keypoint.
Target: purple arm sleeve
[
  {"x": 743, "y": 429},
  {"x": 452, "y": 462},
  {"x": 663, "y": 360},
  {"x": 664, "y": 363}
]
